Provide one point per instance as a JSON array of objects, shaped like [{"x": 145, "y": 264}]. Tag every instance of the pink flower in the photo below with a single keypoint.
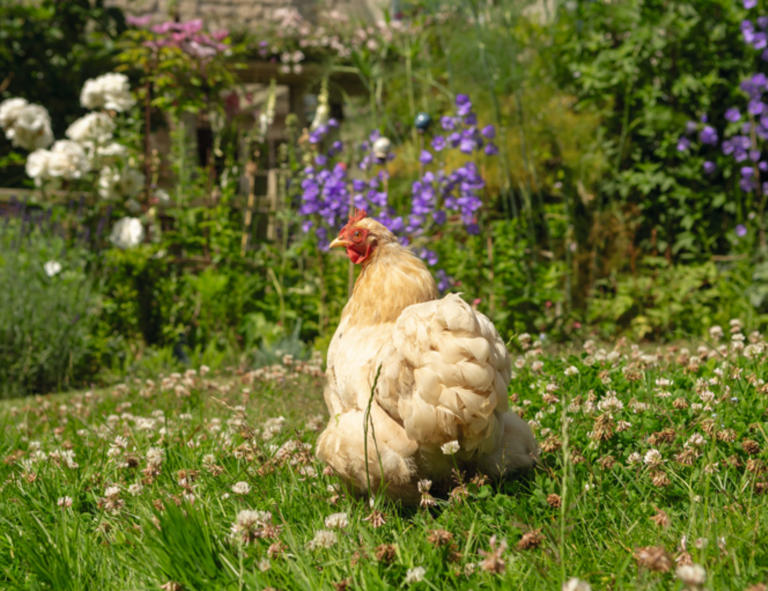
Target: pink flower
[{"x": 138, "y": 21}]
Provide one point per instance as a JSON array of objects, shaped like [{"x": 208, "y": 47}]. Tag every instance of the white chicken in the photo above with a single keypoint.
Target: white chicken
[{"x": 440, "y": 372}]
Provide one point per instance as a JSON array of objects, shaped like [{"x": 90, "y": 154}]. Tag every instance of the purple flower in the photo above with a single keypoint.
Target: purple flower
[
  {"x": 438, "y": 143},
  {"x": 335, "y": 148},
  {"x": 467, "y": 145},
  {"x": 448, "y": 123},
  {"x": 732, "y": 114},
  {"x": 708, "y": 167},
  {"x": 425, "y": 157},
  {"x": 461, "y": 99},
  {"x": 430, "y": 256},
  {"x": 708, "y": 135},
  {"x": 750, "y": 4},
  {"x": 746, "y": 171},
  {"x": 683, "y": 144},
  {"x": 463, "y": 105},
  {"x": 470, "y": 119},
  {"x": 747, "y": 185},
  {"x": 755, "y": 107},
  {"x": 491, "y": 149},
  {"x": 443, "y": 280},
  {"x": 741, "y": 230},
  {"x": 488, "y": 132}
]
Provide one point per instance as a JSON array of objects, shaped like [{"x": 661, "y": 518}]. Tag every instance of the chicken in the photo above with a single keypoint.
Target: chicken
[{"x": 440, "y": 372}]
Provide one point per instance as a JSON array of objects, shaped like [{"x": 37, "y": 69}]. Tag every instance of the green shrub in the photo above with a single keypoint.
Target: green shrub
[{"x": 48, "y": 310}]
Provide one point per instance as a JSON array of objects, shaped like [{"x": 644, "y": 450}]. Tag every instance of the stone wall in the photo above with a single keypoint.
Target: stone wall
[{"x": 239, "y": 15}]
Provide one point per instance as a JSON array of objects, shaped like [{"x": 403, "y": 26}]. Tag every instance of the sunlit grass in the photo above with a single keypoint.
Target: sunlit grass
[{"x": 193, "y": 481}]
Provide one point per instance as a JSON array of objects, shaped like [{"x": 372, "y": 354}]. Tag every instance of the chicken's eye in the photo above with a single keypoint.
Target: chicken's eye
[{"x": 356, "y": 235}]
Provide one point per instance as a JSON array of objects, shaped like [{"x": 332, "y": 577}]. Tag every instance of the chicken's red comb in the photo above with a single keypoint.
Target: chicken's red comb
[
  {"x": 357, "y": 216},
  {"x": 354, "y": 218}
]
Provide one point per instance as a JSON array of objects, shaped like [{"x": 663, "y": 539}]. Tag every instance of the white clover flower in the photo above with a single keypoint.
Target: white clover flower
[
  {"x": 415, "y": 575},
  {"x": 93, "y": 127},
  {"x": 323, "y": 539},
  {"x": 576, "y": 584},
  {"x": 112, "y": 491},
  {"x": 241, "y": 488},
  {"x": 610, "y": 402},
  {"x": 127, "y": 233},
  {"x": 337, "y": 521},
  {"x": 272, "y": 427},
  {"x": 450, "y": 447},
  {"x": 652, "y": 457},
  {"x": 571, "y": 370},
  {"x": 134, "y": 489},
  {"x": 52, "y": 268},
  {"x": 30, "y": 126},
  {"x": 155, "y": 456},
  {"x": 110, "y": 91},
  {"x": 64, "y": 502},
  {"x": 634, "y": 458},
  {"x": 691, "y": 574}
]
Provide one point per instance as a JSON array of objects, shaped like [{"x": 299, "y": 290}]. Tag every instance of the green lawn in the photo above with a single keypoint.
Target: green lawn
[{"x": 652, "y": 459}]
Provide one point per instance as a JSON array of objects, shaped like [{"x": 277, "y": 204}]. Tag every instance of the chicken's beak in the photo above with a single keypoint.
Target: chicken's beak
[{"x": 339, "y": 242}]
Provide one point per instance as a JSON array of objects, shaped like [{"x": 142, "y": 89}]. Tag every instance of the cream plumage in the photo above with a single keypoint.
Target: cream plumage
[{"x": 443, "y": 376}]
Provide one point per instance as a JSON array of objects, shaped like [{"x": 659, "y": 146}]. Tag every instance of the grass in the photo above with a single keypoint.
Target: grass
[{"x": 651, "y": 460}]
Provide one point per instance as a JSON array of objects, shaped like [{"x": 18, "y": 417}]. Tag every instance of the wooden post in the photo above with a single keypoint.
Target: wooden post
[{"x": 250, "y": 173}]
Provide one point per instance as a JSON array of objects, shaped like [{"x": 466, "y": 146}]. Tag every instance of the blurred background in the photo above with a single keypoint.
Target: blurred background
[{"x": 172, "y": 171}]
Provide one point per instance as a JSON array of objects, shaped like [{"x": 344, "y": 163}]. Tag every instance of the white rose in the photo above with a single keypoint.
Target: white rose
[
  {"x": 111, "y": 151},
  {"x": 9, "y": 111},
  {"x": 97, "y": 127},
  {"x": 127, "y": 233},
  {"x": 37, "y": 164},
  {"x": 31, "y": 128},
  {"x": 67, "y": 160},
  {"x": 111, "y": 91},
  {"x": 107, "y": 183}
]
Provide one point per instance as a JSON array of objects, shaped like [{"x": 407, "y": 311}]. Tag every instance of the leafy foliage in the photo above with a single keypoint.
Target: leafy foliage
[
  {"x": 47, "y": 51},
  {"x": 48, "y": 311}
]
